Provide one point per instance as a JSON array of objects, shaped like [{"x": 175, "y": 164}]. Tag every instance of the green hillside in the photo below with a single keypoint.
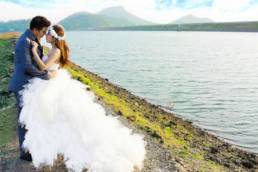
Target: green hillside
[
  {"x": 223, "y": 27},
  {"x": 14, "y": 25},
  {"x": 86, "y": 21}
]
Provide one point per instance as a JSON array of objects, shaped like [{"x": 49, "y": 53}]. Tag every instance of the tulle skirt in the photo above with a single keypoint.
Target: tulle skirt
[{"x": 62, "y": 117}]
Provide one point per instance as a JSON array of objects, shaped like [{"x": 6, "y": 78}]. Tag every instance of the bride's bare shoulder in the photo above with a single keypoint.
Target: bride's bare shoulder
[
  {"x": 56, "y": 50},
  {"x": 55, "y": 53}
]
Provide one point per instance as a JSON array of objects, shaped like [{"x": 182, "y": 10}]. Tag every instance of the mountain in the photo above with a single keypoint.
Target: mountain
[
  {"x": 191, "y": 19},
  {"x": 120, "y": 13},
  {"x": 14, "y": 25},
  {"x": 110, "y": 17},
  {"x": 84, "y": 21}
]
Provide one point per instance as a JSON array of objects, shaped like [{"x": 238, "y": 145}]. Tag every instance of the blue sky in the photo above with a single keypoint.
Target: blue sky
[
  {"x": 159, "y": 11},
  {"x": 36, "y": 3},
  {"x": 160, "y": 4},
  {"x": 184, "y": 4}
]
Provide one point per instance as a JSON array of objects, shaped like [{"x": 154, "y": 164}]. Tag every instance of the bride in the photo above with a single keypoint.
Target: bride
[{"x": 62, "y": 117}]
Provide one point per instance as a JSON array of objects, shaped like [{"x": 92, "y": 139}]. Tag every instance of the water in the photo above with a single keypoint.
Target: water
[{"x": 208, "y": 78}]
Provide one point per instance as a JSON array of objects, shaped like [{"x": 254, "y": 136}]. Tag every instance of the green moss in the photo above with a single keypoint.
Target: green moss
[{"x": 159, "y": 129}]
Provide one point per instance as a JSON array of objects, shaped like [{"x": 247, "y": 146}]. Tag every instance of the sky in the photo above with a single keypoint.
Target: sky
[{"x": 157, "y": 11}]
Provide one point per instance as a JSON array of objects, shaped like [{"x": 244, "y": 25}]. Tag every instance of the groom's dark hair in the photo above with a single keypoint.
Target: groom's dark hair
[{"x": 38, "y": 22}]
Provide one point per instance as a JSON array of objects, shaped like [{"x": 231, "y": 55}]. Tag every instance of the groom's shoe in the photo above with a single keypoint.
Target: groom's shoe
[{"x": 26, "y": 156}]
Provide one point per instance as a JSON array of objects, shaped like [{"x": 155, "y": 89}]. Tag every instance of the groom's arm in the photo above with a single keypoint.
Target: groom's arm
[{"x": 30, "y": 68}]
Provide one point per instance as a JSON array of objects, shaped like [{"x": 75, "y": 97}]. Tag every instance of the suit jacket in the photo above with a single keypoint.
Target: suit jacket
[{"x": 24, "y": 66}]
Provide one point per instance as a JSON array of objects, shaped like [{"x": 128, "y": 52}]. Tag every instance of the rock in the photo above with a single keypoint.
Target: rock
[
  {"x": 213, "y": 150},
  {"x": 247, "y": 164},
  {"x": 119, "y": 113},
  {"x": 131, "y": 118}
]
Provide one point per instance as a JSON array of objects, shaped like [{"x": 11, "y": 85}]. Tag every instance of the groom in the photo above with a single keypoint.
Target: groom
[{"x": 25, "y": 68}]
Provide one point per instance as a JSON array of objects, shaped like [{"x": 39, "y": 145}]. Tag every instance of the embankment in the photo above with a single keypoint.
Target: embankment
[{"x": 190, "y": 147}]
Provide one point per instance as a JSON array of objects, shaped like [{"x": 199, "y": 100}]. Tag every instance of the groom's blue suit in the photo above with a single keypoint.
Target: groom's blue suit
[{"x": 24, "y": 69}]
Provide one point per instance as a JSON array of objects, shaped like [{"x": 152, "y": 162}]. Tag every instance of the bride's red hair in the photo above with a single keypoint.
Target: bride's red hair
[{"x": 62, "y": 45}]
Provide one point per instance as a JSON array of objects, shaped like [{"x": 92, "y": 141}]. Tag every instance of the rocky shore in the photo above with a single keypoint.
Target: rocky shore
[{"x": 173, "y": 144}]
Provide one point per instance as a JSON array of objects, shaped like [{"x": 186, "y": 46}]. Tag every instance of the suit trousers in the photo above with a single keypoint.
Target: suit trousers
[{"x": 21, "y": 129}]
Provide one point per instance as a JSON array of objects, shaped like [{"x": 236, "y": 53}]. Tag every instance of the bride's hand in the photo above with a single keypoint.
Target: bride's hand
[
  {"x": 52, "y": 74},
  {"x": 34, "y": 45}
]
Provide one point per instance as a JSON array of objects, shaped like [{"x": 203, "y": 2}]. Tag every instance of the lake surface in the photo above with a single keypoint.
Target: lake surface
[{"x": 210, "y": 78}]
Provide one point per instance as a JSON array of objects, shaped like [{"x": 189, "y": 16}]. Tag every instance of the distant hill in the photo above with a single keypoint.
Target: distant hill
[
  {"x": 110, "y": 17},
  {"x": 116, "y": 18},
  {"x": 14, "y": 25},
  {"x": 85, "y": 21},
  {"x": 191, "y": 19},
  {"x": 212, "y": 27},
  {"x": 120, "y": 13}
]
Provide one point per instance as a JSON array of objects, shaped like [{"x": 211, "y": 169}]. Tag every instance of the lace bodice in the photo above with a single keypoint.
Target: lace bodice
[{"x": 54, "y": 66}]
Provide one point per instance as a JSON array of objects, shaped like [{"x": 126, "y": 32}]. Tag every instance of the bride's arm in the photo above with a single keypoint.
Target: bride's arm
[{"x": 52, "y": 57}]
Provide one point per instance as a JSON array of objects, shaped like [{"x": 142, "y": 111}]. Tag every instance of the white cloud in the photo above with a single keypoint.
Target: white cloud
[
  {"x": 230, "y": 6},
  {"x": 231, "y": 10},
  {"x": 220, "y": 10},
  {"x": 59, "y": 11}
]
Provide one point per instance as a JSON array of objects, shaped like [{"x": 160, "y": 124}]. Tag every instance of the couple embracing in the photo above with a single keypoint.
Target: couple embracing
[{"x": 58, "y": 115}]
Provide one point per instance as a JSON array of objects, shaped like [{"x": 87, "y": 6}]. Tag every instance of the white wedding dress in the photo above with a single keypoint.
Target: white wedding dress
[{"x": 62, "y": 117}]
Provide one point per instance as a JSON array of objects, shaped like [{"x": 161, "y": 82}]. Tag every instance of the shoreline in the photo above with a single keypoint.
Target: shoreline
[
  {"x": 190, "y": 143},
  {"x": 211, "y": 132},
  {"x": 191, "y": 147}
]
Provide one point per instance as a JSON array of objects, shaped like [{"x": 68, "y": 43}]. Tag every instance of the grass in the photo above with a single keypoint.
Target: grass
[
  {"x": 7, "y": 108},
  {"x": 7, "y": 126}
]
